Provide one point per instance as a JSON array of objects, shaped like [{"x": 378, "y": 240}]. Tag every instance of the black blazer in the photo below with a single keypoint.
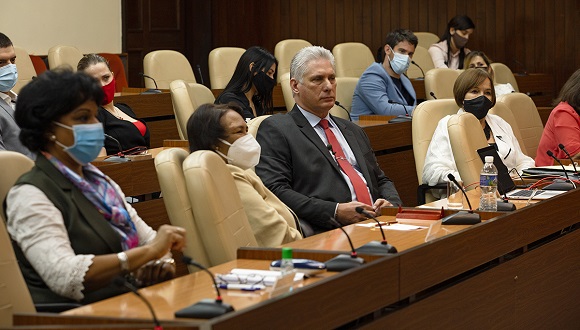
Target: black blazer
[
  {"x": 122, "y": 130},
  {"x": 297, "y": 167}
]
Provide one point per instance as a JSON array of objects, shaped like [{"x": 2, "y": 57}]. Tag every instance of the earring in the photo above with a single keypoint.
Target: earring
[{"x": 52, "y": 138}]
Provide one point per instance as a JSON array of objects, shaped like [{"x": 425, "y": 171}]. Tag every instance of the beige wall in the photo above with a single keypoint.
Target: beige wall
[{"x": 36, "y": 25}]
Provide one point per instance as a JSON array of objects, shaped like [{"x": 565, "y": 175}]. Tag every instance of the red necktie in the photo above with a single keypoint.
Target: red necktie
[{"x": 360, "y": 188}]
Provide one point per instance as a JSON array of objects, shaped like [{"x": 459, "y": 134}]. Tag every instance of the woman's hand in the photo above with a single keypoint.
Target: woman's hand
[
  {"x": 156, "y": 271},
  {"x": 168, "y": 238}
]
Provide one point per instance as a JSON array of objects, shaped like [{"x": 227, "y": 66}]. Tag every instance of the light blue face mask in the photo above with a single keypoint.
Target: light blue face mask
[
  {"x": 400, "y": 62},
  {"x": 89, "y": 140},
  {"x": 8, "y": 77}
]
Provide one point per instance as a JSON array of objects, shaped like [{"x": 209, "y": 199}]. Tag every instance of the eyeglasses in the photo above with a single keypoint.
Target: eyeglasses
[
  {"x": 473, "y": 66},
  {"x": 230, "y": 278}
]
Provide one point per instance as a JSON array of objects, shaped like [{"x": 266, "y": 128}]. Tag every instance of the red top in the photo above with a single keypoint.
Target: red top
[
  {"x": 141, "y": 127},
  {"x": 563, "y": 127}
]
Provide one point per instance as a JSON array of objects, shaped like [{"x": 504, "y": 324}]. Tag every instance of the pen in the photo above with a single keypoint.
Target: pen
[{"x": 242, "y": 287}]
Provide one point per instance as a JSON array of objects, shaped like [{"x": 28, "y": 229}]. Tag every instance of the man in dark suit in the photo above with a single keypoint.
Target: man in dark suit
[{"x": 319, "y": 165}]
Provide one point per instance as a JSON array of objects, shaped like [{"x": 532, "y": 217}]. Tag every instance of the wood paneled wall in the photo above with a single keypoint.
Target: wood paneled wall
[{"x": 535, "y": 35}]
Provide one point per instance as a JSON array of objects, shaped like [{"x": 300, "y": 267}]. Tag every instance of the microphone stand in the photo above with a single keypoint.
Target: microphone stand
[
  {"x": 422, "y": 72},
  {"x": 561, "y": 146},
  {"x": 121, "y": 281},
  {"x": 343, "y": 261},
  {"x": 343, "y": 108},
  {"x": 375, "y": 247},
  {"x": 118, "y": 158},
  {"x": 400, "y": 118},
  {"x": 461, "y": 217},
  {"x": 150, "y": 91},
  {"x": 562, "y": 186},
  {"x": 433, "y": 95}
]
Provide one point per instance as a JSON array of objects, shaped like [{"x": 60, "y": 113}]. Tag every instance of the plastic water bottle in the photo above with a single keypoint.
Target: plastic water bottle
[
  {"x": 286, "y": 266},
  {"x": 488, "y": 186}
]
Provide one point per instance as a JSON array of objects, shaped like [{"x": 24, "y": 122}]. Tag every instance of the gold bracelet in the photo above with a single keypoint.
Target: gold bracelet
[{"x": 124, "y": 262}]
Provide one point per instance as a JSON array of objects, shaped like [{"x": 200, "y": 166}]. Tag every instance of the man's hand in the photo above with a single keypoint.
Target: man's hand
[
  {"x": 380, "y": 203},
  {"x": 346, "y": 213}
]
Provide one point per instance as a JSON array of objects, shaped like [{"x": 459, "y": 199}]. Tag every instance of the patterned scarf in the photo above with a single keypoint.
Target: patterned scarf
[{"x": 99, "y": 191}]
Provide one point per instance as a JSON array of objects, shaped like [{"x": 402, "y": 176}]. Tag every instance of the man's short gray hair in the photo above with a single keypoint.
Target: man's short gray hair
[{"x": 301, "y": 60}]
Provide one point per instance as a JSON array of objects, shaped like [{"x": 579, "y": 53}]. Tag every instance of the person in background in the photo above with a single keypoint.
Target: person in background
[
  {"x": 252, "y": 83},
  {"x": 221, "y": 128},
  {"x": 477, "y": 59},
  {"x": 118, "y": 119},
  {"x": 450, "y": 51},
  {"x": 9, "y": 131},
  {"x": 474, "y": 93},
  {"x": 72, "y": 230},
  {"x": 319, "y": 165},
  {"x": 385, "y": 81},
  {"x": 563, "y": 125}
]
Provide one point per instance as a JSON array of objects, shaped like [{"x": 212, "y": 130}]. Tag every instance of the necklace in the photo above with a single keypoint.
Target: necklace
[{"x": 116, "y": 113}]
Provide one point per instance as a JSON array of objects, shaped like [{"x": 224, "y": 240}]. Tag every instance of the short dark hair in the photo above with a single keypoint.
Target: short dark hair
[
  {"x": 204, "y": 128},
  {"x": 50, "y": 96},
  {"x": 570, "y": 92},
  {"x": 5, "y": 41},
  {"x": 467, "y": 80},
  {"x": 91, "y": 59},
  {"x": 393, "y": 38}
]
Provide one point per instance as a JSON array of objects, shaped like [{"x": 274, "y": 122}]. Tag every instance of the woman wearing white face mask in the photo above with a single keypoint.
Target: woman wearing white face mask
[
  {"x": 222, "y": 129},
  {"x": 383, "y": 89}
]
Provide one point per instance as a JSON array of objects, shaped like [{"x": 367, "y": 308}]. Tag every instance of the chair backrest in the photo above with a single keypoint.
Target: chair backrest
[
  {"x": 344, "y": 90},
  {"x": 64, "y": 55},
  {"x": 466, "y": 136},
  {"x": 14, "y": 165},
  {"x": 423, "y": 60},
  {"x": 440, "y": 81},
  {"x": 527, "y": 118},
  {"x": 166, "y": 66},
  {"x": 503, "y": 75},
  {"x": 287, "y": 91},
  {"x": 426, "y": 116},
  {"x": 254, "y": 124},
  {"x": 217, "y": 207},
  {"x": 426, "y": 39},
  {"x": 187, "y": 97},
  {"x": 25, "y": 68},
  {"x": 118, "y": 69},
  {"x": 39, "y": 64},
  {"x": 352, "y": 59},
  {"x": 285, "y": 51},
  {"x": 222, "y": 63},
  {"x": 500, "y": 109},
  {"x": 168, "y": 164}
]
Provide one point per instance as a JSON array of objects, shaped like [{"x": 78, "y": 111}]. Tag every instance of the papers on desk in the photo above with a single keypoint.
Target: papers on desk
[
  {"x": 253, "y": 276},
  {"x": 396, "y": 226}
]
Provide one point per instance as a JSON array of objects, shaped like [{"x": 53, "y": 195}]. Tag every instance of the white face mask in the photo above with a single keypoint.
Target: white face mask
[
  {"x": 243, "y": 153},
  {"x": 400, "y": 62}
]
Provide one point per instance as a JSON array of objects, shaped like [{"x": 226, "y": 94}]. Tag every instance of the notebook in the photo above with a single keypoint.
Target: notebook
[{"x": 505, "y": 184}]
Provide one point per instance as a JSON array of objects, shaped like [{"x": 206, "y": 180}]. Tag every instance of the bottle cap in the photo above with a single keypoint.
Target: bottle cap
[
  {"x": 286, "y": 253},
  {"x": 489, "y": 159}
]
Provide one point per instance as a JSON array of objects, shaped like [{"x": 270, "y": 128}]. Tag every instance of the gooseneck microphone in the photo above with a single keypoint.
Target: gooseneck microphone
[
  {"x": 422, "y": 72},
  {"x": 206, "y": 308},
  {"x": 433, "y": 95},
  {"x": 561, "y": 146},
  {"x": 343, "y": 108},
  {"x": 150, "y": 91},
  {"x": 565, "y": 186},
  {"x": 400, "y": 118},
  {"x": 525, "y": 71},
  {"x": 375, "y": 247},
  {"x": 461, "y": 217},
  {"x": 119, "y": 157},
  {"x": 200, "y": 75},
  {"x": 343, "y": 261},
  {"x": 121, "y": 281}
]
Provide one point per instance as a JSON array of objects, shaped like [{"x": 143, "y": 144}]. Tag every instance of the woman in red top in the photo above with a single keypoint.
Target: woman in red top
[{"x": 563, "y": 126}]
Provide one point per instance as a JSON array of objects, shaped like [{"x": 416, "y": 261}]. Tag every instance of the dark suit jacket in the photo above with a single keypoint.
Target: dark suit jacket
[
  {"x": 9, "y": 132},
  {"x": 297, "y": 167}
]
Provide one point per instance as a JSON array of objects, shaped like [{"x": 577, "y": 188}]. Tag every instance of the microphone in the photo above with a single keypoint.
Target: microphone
[
  {"x": 343, "y": 108},
  {"x": 150, "y": 91},
  {"x": 461, "y": 217},
  {"x": 561, "y": 146},
  {"x": 200, "y": 75},
  {"x": 119, "y": 157},
  {"x": 206, "y": 308},
  {"x": 566, "y": 185},
  {"x": 343, "y": 261},
  {"x": 400, "y": 118},
  {"x": 120, "y": 282},
  {"x": 525, "y": 72},
  {"x": 433, "y": 95},
  {"x": 375, "y": 247},
  {"x": 422, "y": 72}
]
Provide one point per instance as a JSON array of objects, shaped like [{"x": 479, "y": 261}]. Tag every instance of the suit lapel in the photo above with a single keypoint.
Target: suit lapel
[{"x": 7, "y": 108}]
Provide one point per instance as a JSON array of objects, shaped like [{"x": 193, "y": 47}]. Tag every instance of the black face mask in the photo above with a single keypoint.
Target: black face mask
[
  {"x": 264, "y": 84},
  {"x": 460, "y": 41},
  {"x": 478, "y": 106}
]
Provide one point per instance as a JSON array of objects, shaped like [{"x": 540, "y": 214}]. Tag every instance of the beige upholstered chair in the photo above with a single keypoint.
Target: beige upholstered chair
[
  {"x": 423, "y": 60},
  {"x": 426, "y": 39},
  {"x": 222, "y": 64},
  {"x": 217, "y": 207},
  {"x": 426, "y": 116},
  {"x": 344, "y": 90},
  {"x": 64, "y": 55},
  {"x": 527, "y": 118},
  {"x": 25, "y": 68},
  {"x": 187, "y": 97},
  {"x": 503, "y": 75},
  {"x": 285, "y": 51},
  {"x": 440, "y": 81},
  {"x": 14, "y": 165},
  {"x": 254, "y": 124},
  {"x": 166, "y": 66},
  {"x": 466, "y": 136},
  {"x": 352, "y": 59},
  {"x": 287, "y": 91},
  {"x": 500, "y": 109},
  {"x": 168, "y": 164}
]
